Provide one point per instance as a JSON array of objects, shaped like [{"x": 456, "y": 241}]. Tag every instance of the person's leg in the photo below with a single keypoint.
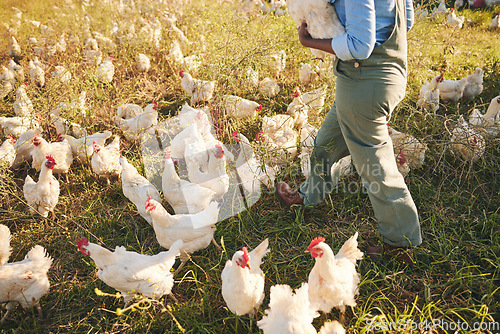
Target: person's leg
[
  {"x": 329, "y": 147},
  {"x": 363, "y": 110}
]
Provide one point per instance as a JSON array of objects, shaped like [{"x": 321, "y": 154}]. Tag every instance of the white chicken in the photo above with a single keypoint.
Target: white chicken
[
  {"x": 25, "y": 282},
  {"x": 495, "y": 22},
  {"x": 142, "y": 63},
  {"x": 59, "y": 150},
  {"x": 82, "y": 148},
  {"x": 133, "y": 128},
  {"x": 288, "y": 312},
  {"x": 298, "y": 110},
  {"x": 7, "y": 151},
  {"x": 455, "y": 21},
  {"x": 14, "y": 48},
  {"x": 175, "y": 54},
  {"x": 250, "y": 170},
  {"x": 76, "y": 106},
  {"x": 196, "y": 231},
  {"x": 277, "y": 62},
  {"x": 466, "y": 142},
  {"x": 92, "y": 57},
  {"x": 402, "y": 163},
  {"x": 137, "y": 188},
  {"x": 6, "y": 85},
  {"x": 17, "y": 70},
  {"x": 23, "y": 147},
  {"x": 452, "y": 90},
  {"x": 61, "y": 74},
  {"x": 215, "y": 177},
  {"x": 321, "y": 18},
  {"x": 63, "y": 126},
  {"x": 23, "y": 106},
  {"x": 42, "y": 196},
  {"x": 333, "y": 281},
  {"x": 16, "y": 126},
  {"x": 126, "y": 111},
  {"x": 184, "y": 197},
  {"x": 332, "y": 327},
  {"x": 413, "y": 148},
  {"x": 275, "y": 123},
  {"x": 106, "y": 70},
  {"x": 268, "y": 87},
  {"x": 239, "y": 107},
  {"x": 37, "y": 74},
  {"x": 5, "y": 249},
  {"x": 314, "y": 99},
  {"x": 198, "y": 90},
  {"x": 243, "y": 280},
  {"x": 429, "y": 94},
  {"x": 491, "y": 119},
  {"x": 130, "y": 272},
  {"x": 308, "y": 74},
  {"x": 106, "y": 160},
  {"x": 474, "y": 85}
]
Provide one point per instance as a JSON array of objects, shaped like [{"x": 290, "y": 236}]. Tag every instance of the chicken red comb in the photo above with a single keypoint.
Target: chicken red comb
[
  {"x": 236, "y": 135},
  {"x": 12, "y": 139},
  {"x": 401, "y": 158},
  {"x": 50, "y": 158},
  {"x": 440, "y": 78},
  {"x": 245, "y": 254},
  {"x": 259, "y": 136},
  {"x": 155, "y": 105},
  {"x": 220, "y": 152},
  {"x": 315, "y": 242},
  {"x": 181, "y": 73},
  {"x": 296, "y": 92},
  {"x": 26, "y": 84},
  {"x": 149, "y": 206},
  {"x": 82, "y": 242}
]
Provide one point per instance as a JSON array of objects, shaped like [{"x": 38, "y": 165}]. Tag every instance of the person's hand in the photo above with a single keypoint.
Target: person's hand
[{"x": 304, "y": 35}]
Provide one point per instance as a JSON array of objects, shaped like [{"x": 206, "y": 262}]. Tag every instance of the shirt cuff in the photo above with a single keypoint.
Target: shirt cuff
[{"x": 339, "y": 46}]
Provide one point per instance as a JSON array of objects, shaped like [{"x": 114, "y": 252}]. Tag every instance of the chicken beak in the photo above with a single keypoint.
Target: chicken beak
[{"x": 307, "y": 251}]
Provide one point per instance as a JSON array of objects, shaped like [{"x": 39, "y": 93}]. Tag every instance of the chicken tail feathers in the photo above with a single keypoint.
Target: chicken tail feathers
[
  {"x": 38, "y": 254},
  {"x": 350, "y": 250},
  {"x": 258, "y": 253}
]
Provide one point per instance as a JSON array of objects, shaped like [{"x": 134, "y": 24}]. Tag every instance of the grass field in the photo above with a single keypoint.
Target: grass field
[{"x": 457, "y": 279}]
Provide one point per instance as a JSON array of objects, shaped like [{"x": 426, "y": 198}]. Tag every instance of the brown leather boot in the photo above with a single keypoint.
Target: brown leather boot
[
  {"x": 287, "y": 196},
  {"x": 400, "y": 254}
]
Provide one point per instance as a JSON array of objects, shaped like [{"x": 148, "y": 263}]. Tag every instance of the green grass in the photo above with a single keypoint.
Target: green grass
[{"x": 458, "y": 262}]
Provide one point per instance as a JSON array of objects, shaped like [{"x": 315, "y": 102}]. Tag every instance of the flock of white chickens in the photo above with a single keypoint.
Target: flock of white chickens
[{"x": 194, "y": 198}]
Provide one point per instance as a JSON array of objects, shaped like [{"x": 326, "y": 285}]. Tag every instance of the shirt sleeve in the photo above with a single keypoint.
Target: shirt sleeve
[
  {"x": 360, "y": 36},
  {"x": 410, "y": 15}
]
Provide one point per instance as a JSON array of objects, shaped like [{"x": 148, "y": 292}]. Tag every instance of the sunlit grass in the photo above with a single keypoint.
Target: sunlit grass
[{"x": 458, "y": 202}]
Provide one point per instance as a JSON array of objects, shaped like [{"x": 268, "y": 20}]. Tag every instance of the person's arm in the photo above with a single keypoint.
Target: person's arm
[
  {"x": 360, "y": 36},
  {"x": 306, "y": 40}
]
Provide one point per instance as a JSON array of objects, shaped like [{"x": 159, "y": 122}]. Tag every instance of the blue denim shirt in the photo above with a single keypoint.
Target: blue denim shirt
[{"x": 368, "y": 23}]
